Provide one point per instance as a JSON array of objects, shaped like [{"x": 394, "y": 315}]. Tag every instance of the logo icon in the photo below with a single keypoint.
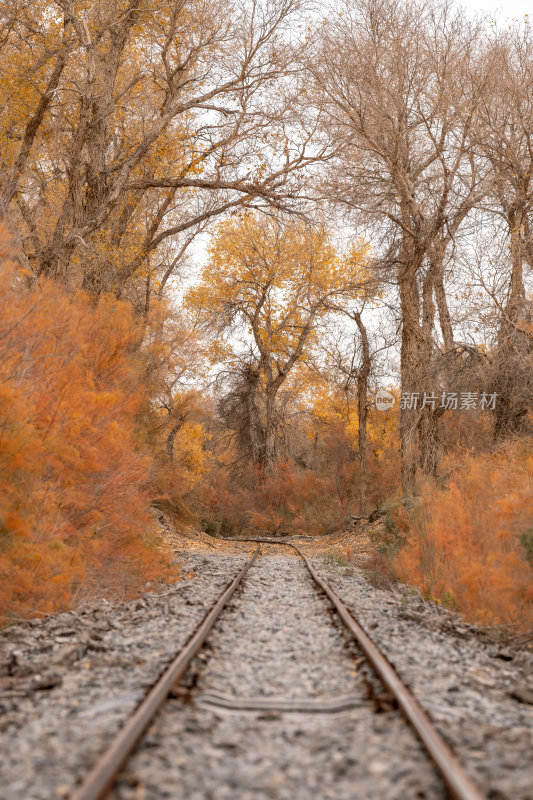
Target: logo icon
[{"x": 384, "y": 400}]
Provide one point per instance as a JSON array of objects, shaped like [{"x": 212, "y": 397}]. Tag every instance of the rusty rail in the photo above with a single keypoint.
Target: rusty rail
[
  {"x": 452, "y": 772},
  {"x": 102, "y": 776}
]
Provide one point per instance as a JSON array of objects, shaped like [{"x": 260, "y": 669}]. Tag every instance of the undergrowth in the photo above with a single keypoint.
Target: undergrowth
[
  {"x": 75, "y": 517},
  {"x": 467, "y": 541}
]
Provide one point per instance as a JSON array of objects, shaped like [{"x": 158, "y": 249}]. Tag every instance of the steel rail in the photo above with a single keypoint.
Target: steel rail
[
  {"x": 452, "y": 772},
  {"x": 101, "y": 777}
]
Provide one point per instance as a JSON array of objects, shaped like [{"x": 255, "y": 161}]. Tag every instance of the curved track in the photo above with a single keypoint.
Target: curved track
[{"x": 103, "y": 774}]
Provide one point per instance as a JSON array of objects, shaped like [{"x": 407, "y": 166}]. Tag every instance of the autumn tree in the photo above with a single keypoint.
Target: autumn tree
[
  {"x": 394, "y": 80},
  {"x": 266, "y": 285},
  {"x": 351, "y": 359},
  {"x": 504, "y": 139},
  {"x": 128, "y": 124}
]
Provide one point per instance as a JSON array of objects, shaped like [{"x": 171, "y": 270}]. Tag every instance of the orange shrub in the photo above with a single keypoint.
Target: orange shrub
[
  {"x": 74, "y": 508},
  {"x": 470, "y": 544},
  {"x": 292, "y": 500}
]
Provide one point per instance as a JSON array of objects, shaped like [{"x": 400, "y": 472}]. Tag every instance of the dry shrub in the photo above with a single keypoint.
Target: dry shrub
[
  {"x": 384, "y": 462},
  {"x": 74, "y": 505},
  {"x": 378, "y": 569},
  {"x": 470, "y": 542},
  {"x": 291, "y": 500}
]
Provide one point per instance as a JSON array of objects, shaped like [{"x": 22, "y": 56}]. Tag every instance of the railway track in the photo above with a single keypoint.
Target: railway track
[{"x": 105, "y": 771}]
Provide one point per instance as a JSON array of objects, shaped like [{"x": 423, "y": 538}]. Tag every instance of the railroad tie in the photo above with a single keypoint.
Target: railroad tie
[{"x": 296, "y": 705}]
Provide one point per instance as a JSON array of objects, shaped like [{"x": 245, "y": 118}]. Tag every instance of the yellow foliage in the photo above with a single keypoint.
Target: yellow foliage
[{"x": 272, "y": 282}]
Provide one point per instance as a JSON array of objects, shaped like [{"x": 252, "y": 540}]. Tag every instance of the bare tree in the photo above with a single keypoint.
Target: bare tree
[
  {"x": 505, "y": 140},
  {"x": 395, "y": 80},
  {"x": 351, "y": 368}
]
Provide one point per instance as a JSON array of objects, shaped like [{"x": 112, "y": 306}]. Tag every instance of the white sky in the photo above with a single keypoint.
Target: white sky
[{"x": 510, "y": 9}]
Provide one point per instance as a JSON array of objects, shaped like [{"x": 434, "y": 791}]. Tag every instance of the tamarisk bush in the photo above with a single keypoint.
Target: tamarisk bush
[{"x": 74, "y": 504}]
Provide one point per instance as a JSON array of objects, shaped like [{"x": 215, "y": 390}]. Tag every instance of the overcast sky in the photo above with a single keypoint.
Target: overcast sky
[{"x": 510, "y": 9}]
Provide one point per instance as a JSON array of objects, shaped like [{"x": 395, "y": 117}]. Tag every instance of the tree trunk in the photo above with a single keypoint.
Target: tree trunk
[
  {"x": 427, "y": 426},
  {"x": 362, "y": 390},
  {"x": 255, "y": 429},
  {"x": 437, "y": 269},
  {"x": 511, "y": 380},
  {"x": 172, "y": 435},
  {"x": 428, "y": 441},
  {"x": 410, "y": 362},
  {"x": 269, "y": 452}
]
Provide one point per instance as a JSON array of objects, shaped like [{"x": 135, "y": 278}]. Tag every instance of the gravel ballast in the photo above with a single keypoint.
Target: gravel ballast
[
  {"x": 253, "y": 718},
  {"x": 279, "y": 642},
  {"x": 479, "y": 694},
  {"x": 69, "y": 682}
]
